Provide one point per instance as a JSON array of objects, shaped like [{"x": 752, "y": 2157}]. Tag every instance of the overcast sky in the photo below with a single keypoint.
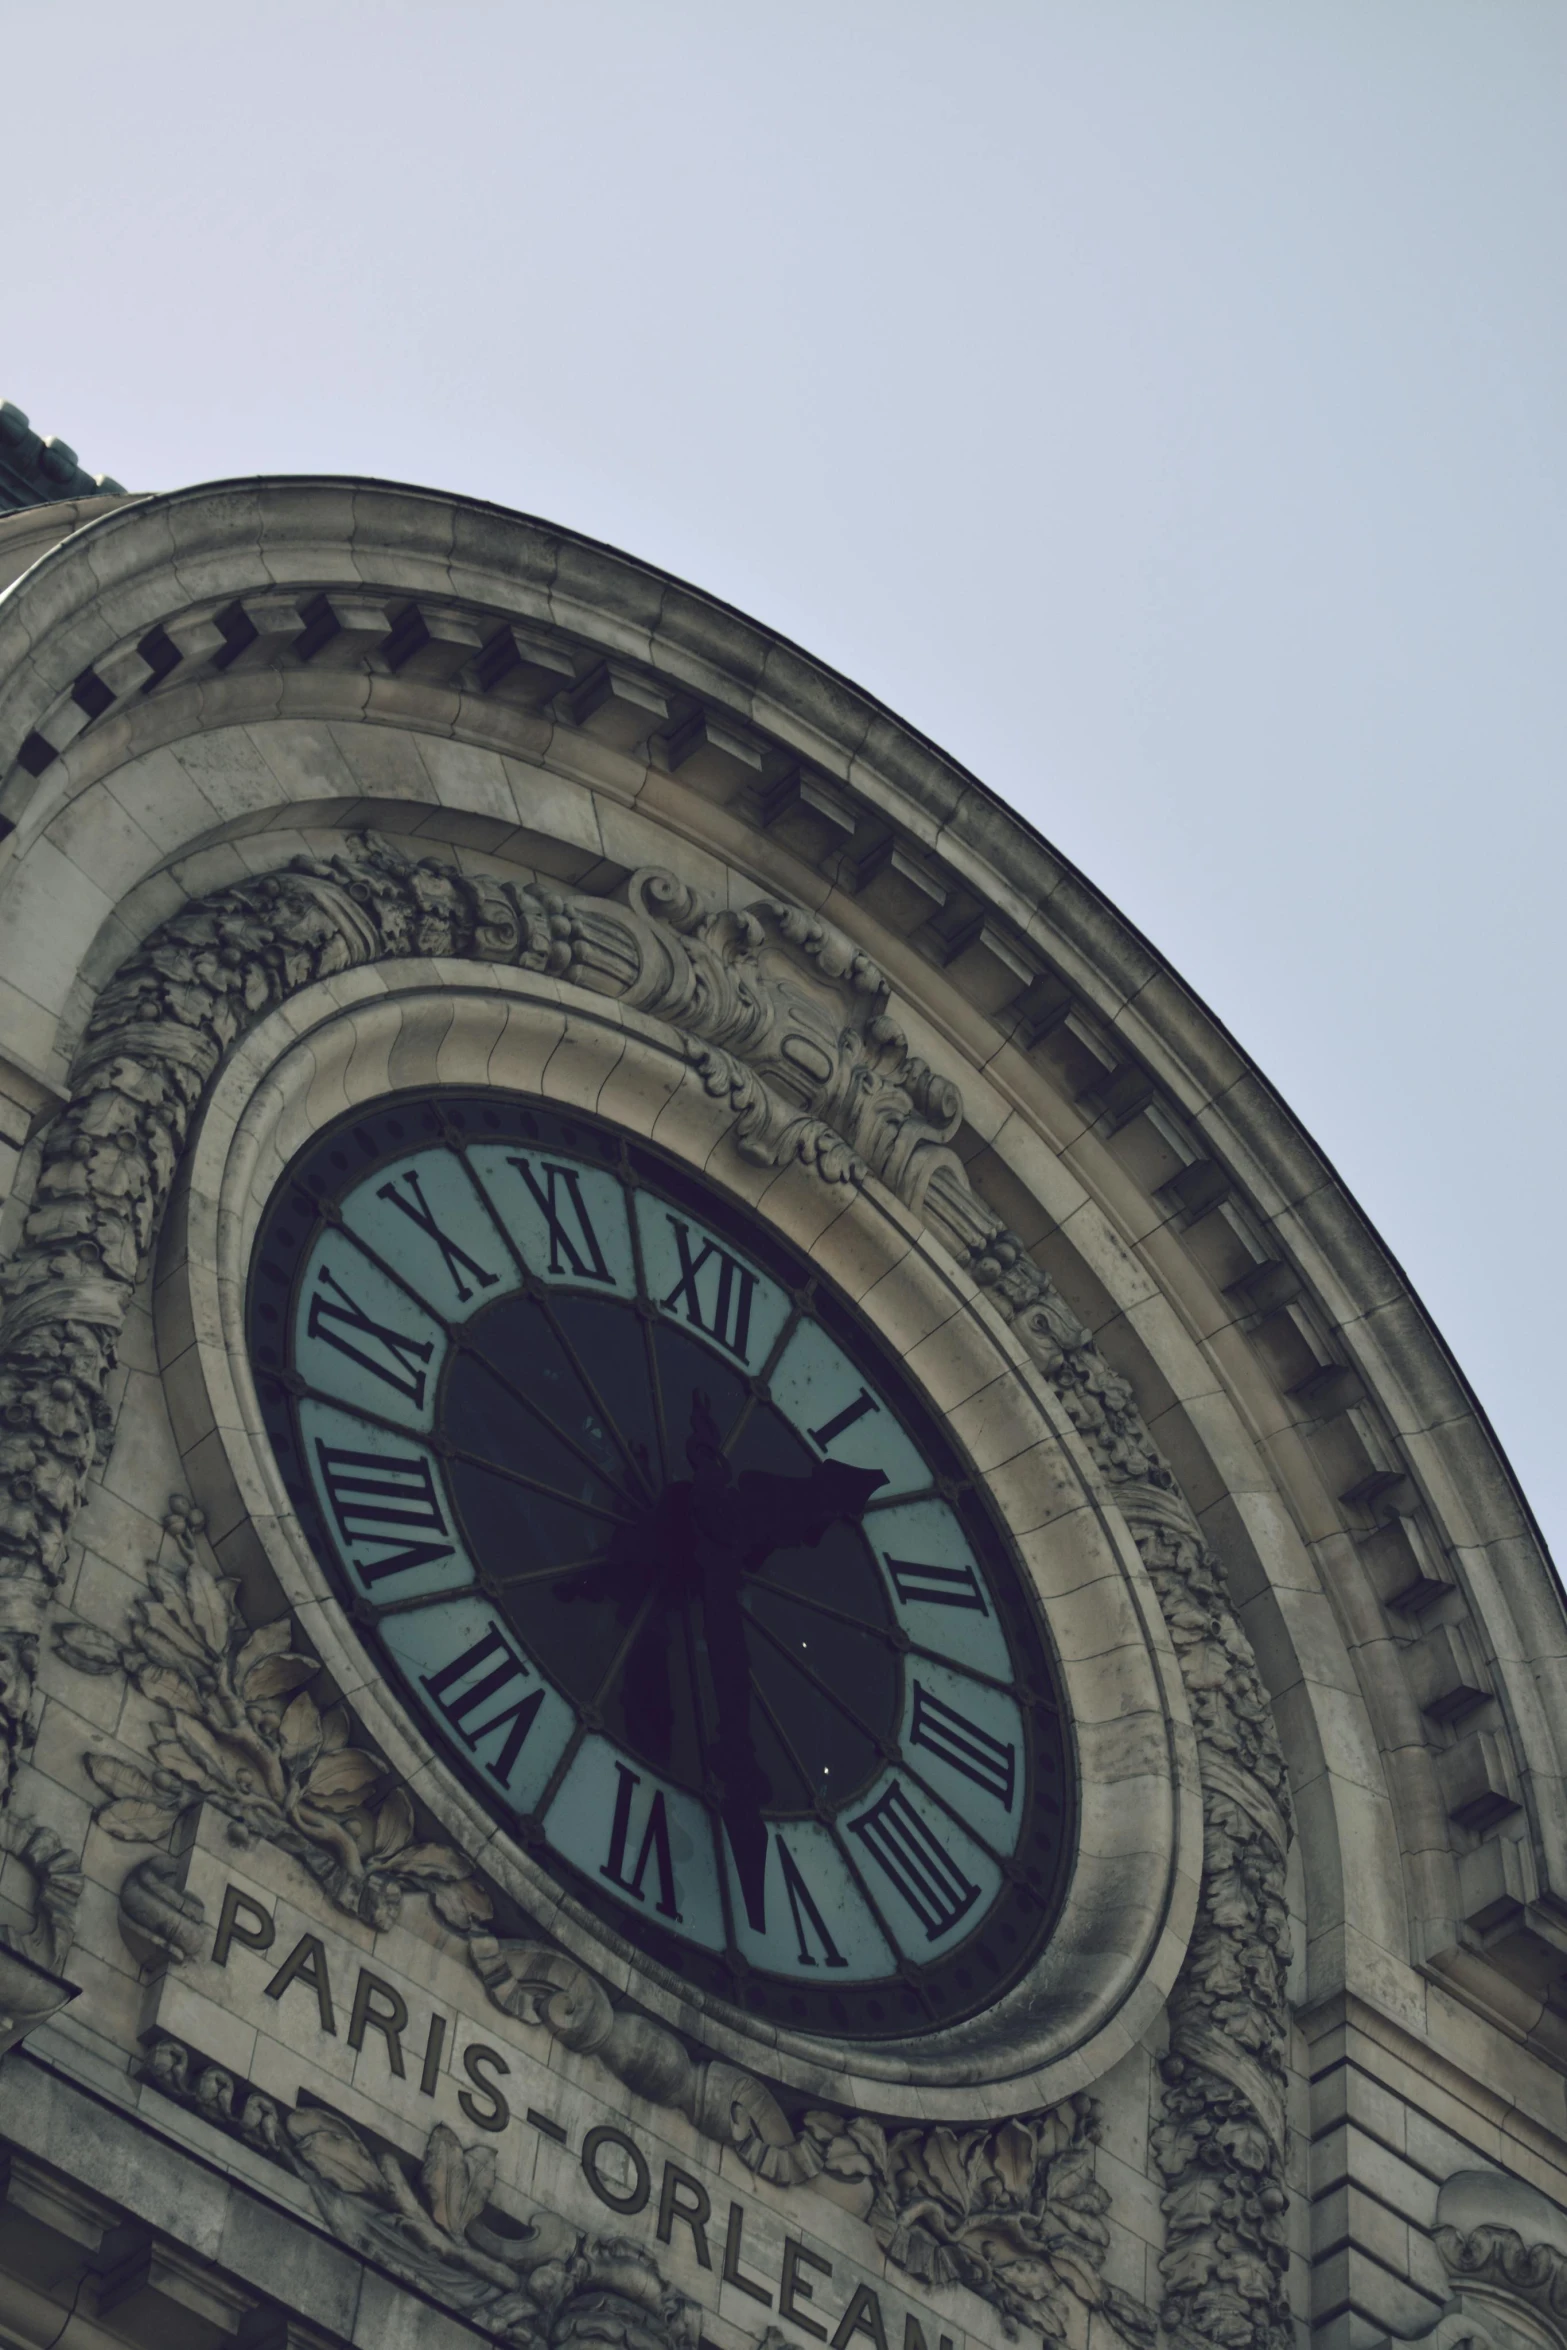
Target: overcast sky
[{"x": 1159, "y": 402}]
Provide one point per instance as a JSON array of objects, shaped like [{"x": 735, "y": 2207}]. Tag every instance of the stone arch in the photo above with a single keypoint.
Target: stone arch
[
  {"x": 1040, "y": 958},
  {"x": 1408, "y": 1581}
]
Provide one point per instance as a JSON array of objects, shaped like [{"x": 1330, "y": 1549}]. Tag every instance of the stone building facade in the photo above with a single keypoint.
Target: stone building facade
[{"x": 328, "y": 804}]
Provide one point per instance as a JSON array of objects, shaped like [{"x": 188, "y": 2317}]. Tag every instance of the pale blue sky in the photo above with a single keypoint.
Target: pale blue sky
[{"x": 1160, "y": 402}]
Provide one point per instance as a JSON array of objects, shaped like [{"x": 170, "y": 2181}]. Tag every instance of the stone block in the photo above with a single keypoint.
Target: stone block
[
  {"x": 340, "y": 631},
  {"x": 898, "y": 886},
  {"x": 716, "y": 759},
  {"x": 522, "y": 664},
  {"x": 809, "y": 815},
  {"x": 619, "y": 705},
  {"x": 1477, "y": 1780}
]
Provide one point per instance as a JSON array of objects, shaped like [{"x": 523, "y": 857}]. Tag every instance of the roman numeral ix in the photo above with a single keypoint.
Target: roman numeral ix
[
  {"x": 963, "y": 1745},
  {"x": 386, "y": 1498},
  {"x": 338, "y": 1319}
]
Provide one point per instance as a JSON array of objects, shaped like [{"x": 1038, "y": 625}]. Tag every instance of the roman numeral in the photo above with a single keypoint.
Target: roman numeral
[
  {"x": 566, "y": 1249},
  {"x": 830, "y": 1429},
  {"x": 654, "y": 1846},
  {"x": 914, "y": 1860},
  {"x": 730, "y": 1318},
  {"x": 963, "y": 1745},
  {"x": 417, "y": 1210},
  {"x": 385, "y": 1498},
  {"x": 520, "y": 1715},
  {"x": 937, "y": 1586},
  {"x": 802, "y": 1907},
  {"x": 398, "y": 1360}
]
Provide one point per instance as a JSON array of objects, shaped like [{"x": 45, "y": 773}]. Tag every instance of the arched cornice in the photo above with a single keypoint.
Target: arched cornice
[{"x": 175, "y": 615}]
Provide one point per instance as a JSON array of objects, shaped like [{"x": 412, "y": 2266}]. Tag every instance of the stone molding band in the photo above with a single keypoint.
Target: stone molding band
[{"x": 845, "y": 1100}]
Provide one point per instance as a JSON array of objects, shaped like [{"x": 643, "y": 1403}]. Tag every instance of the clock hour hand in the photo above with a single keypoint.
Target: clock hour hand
[
  {"x": 760, "y": 1512},
  {"x": 737, "y": 1524}
]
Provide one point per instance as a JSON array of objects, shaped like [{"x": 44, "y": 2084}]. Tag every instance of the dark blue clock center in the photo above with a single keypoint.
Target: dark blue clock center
[{"x": 671, "y": 1574}]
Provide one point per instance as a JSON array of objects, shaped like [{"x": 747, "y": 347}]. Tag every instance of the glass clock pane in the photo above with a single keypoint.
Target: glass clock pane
[
  {"x": 811, "y": 1921},
  {"x": 760, "y": 1699},
  {"x": 965, "y": 1740},
  {"x": 423, "y": 1217},
  {"x": 706, "y": 1287},
  {"x": 464, "y": 1661},
  {"x": 361, "y": 1339},
  {"x": 567, "y": 1218},
  {"x": 817, "y": 1387},
  {"x": 646, "y": 1842},
  {"x": 936, "y": 1586},
  {"x": 384, "y": 1498}
]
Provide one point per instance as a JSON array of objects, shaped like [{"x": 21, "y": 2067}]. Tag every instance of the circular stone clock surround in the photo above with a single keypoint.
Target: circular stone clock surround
[{"x": 1126, "y": 1915}]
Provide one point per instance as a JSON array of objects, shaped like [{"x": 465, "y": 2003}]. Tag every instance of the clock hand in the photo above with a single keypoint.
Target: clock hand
[
  {"x": 731, "y": 1758},
  {"x": 736, "y": 1527},
  {"x": 733, "y": 1755},
  {"x": 793, "y": 1513}
]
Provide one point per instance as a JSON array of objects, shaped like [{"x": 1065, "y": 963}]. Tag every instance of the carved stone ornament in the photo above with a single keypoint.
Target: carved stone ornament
[
  {"x": 537, "y": 2282},
  {"x": 817, "y": 1073},
  {"x": 32, "y": 1987},
  {"x": 1498, "y": 2260},
  {"x": 538, "y": 1984},
  {"x": 241, "y": 1731},
  {"x": 1504, "y": 2246},
  {"x": 1015, "y": 2213}
]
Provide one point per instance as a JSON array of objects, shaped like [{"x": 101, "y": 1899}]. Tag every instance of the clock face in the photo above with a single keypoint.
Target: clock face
[{"x": 668, "y": 1558}]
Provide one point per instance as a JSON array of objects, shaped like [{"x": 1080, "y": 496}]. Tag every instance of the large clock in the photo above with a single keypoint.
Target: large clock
[{"x": 672, "y": 1562}]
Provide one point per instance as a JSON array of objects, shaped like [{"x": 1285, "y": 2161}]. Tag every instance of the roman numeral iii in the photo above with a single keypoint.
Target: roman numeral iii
[
  {"x": 937, "y": 1586},
  {"x": 963, "y": 1745}
]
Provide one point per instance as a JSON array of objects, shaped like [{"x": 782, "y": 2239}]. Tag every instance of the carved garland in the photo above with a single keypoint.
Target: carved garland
[
  {"x": 540, "y": 2285},
  {"x": 845, "y": 1095}
]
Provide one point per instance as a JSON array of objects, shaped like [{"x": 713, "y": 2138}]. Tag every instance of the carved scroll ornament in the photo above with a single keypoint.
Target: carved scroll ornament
[
  {"x": 539, "y": 2285},
  {"x": 1497, "y": 2259},
  {"x": 788, "y": 1022}
]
